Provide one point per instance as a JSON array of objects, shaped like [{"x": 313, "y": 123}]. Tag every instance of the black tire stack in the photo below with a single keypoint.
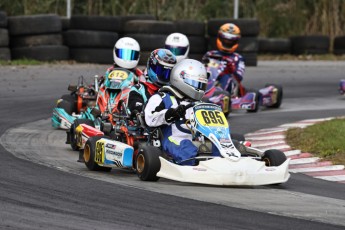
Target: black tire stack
[
  {"x": 150, "y": 34},
  {"x": 37, "y": 37},
  {"x": 339, "y": 45},
  {"x": 312, "y": 44},
  {"x": 248, "y": 45},
  {"x": 5, "y": 53},
  {"x": 195, "y": 32},
  {"x": 274, "y": 45},
  {"x": 91, "y": 38}
]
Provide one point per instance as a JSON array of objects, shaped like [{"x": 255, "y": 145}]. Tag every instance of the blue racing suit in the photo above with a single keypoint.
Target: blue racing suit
[{"x": 177, "y": 138}]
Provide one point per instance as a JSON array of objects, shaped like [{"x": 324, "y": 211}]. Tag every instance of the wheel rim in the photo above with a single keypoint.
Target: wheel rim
[
  {"x": 87, "y": 153},
  {"x": 140, "y": 163},
  {"x": 267, "y": 161}
]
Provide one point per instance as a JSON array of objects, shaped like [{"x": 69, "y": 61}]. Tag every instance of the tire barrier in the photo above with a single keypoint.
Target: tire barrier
[
  {"x": 92, "y": 55},
  {"x": 274, "y": 45},
  {"x": 103, "y": 23},
  {"x": 339, "y": 45},
  {"x": 196, "y": 33},
  {"x": 150, "y": 34},
  {"x": 5, "y": 53},
  {"x": 42, "y": 53},
  {"x": 317, "y": 44},
  {"x": 34, "y": 24},
  {"x": 37, "y": 37},
  {"x": 91, "y": 38}
]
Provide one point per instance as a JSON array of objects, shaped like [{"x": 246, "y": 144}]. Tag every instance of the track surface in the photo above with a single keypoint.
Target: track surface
[{"x": 33, "y": 196}]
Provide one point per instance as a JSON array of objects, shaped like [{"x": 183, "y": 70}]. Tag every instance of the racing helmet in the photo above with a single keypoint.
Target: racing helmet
[
  {"x": 159, "y": 66},
  {"x": 118, "y": 79},
  {"x": 228, "y": 37},
  {"x": 126, "y": 53},
  {"x": 189, "y": 76},
  {"x": 178, "y": 44}
]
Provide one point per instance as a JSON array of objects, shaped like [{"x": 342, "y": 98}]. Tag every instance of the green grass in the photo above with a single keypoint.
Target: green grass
[
  {"x": 325, "y": 139},
  {"x": 33, "y": 62},
  {"x": 21, "y": 62}
]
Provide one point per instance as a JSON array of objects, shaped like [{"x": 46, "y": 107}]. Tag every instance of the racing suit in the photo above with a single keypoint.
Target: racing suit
[
  {"x": 177, "y": 138},
  {"x": 234, "y": 67}
]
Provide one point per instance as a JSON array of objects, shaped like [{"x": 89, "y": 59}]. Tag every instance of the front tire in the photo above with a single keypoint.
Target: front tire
[
  {"x": 89, "y": 155},
  {"x": 257, "y": 101},
  {"x": 273, "y": 157},
  {"x": 147, "y": 163}
]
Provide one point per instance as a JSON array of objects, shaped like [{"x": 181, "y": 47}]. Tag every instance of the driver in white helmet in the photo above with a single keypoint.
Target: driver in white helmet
[
  {"x": 188, "y": 81},
  {"x": 126, "y": 54},
  {"x": 178, "y": 44}
]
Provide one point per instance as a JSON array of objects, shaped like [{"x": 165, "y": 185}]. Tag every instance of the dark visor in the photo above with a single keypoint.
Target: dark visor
[{"x": 163, "y": 73}]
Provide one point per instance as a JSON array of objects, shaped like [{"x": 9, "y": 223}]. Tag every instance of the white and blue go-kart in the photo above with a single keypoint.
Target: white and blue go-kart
[{"x": 238, "y": 165}]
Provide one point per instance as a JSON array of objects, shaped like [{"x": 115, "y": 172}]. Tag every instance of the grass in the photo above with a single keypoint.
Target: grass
[{"x": 325, "y": 140}]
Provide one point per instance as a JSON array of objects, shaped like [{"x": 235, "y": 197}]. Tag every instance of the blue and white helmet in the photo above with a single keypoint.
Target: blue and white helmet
[{"x": 159, "y": 66}]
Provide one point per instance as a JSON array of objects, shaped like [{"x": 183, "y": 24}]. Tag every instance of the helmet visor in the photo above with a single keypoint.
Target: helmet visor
[
  {"x": 177, "y": 50},
  {"x": 196, "y": 84},
  {"x": 228, "y": 43},
  {"x": 162, "y": 72},
  {"x": 127, "y": 54}
]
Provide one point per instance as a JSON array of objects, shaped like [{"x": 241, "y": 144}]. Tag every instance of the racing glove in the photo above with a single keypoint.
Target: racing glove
[{"x": 175, "y": 114}]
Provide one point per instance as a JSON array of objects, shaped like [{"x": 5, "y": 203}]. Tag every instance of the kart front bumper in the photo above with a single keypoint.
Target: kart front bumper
[{"x": 221, "y": 171}]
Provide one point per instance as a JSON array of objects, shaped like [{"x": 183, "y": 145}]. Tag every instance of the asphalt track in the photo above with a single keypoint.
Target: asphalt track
[{"x": 66, "y": 196}]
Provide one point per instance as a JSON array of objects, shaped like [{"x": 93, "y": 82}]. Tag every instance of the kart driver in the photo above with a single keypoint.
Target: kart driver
[
  {"x": 227, "y": 42},
  {"x": 178, "y": 44},
  {"x": 157, "y": 74},
  {"x": 167, "y": 108}
]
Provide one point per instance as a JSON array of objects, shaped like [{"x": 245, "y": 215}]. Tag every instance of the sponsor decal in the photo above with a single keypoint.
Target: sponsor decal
[
  {"x": 200, "y": 169},
  {"x": 110, "y": 146},
  {"x": 112, "y": 152},
  {"x": 270, "y": 169}
]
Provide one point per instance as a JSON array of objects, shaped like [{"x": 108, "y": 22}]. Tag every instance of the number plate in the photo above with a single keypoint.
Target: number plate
[{"x": 212, "y": 118}]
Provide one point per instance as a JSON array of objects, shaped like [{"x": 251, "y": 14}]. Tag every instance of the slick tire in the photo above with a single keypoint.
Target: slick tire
[
  {"x": 147, "y": 163},
  {"x": 73, "y": 134},
  {"x": 273, "y": 157},
  {"x": 89, "y": 155}
]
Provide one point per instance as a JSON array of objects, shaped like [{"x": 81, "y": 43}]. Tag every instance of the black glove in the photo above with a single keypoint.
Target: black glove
[{"x": 175, "y": 114}]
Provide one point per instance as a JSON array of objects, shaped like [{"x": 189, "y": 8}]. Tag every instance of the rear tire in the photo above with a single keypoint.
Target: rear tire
[
  {"x": 273, "y": 157},
  {"x": 68, "y": 103},
  {"x": 73, "y": 136},
  {"x": 147, "y": 163},
  {"x": 89, "y": 155},
  {"x": 279, "y": 95}
]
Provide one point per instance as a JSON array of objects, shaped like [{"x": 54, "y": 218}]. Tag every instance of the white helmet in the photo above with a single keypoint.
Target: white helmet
[
  {"x": 190, "y": 78},
  {"x": 126, "y": 53},
  {"x": 178, "y": 44}
]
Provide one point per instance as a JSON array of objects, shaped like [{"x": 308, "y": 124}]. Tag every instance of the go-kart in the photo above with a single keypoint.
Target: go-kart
[
  {"x": 74, "y": 105},
  {"x": 238, "y": 164},
  {"x": 342, "y": 87},
  {"x": 238, "y": 97},
  {"x": 100, "y": 117}
]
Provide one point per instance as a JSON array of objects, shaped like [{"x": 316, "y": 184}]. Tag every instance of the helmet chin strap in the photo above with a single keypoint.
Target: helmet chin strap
[{"x": 172, "y": 90}]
